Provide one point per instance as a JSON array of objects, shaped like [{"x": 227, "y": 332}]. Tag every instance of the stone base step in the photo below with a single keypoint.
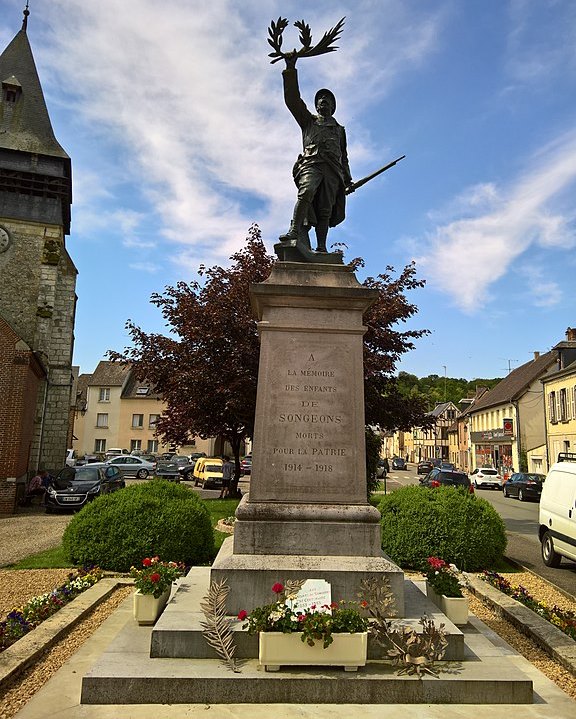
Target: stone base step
[
  {"x": 122, "y": 678},
  {"x": 178, "y": 634}
]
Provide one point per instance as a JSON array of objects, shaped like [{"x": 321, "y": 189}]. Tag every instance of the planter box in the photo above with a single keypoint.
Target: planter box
[
  {"x": 347, "y": 650},
  {"x": 147, "y": 608},
  {"x": 455, "y": 608}
]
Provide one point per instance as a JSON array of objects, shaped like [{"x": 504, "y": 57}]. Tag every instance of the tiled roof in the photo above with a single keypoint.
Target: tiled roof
[
  {"x": 565, "y": 372},
  {"x": 110, "y": 374},
  {"x": 82, "y": 386},
  {"x": 515, "y": 384},
  {"x": 441, "y": 408},
  {"x": 134, "y": 389}
]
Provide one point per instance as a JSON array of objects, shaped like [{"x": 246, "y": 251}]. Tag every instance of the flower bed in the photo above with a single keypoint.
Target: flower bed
[
  {"x": 22, "y": 620},
  {"x": 561, "y": 618}
]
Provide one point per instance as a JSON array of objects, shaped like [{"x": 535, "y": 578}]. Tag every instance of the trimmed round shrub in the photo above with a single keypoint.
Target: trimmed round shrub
[
  {"x": 446, "y": 522},
  {"x": 158, "y": 518}
]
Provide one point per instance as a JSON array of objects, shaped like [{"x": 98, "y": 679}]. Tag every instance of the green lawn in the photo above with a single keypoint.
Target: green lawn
[
  {"x": 55, "y": 558},
  {"x": 48, "y": 559}
]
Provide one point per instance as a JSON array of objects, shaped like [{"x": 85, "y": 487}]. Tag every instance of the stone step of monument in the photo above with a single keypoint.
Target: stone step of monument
[
  {"x": 126, "y": 674},
  {"x": 178, "y": 633}
]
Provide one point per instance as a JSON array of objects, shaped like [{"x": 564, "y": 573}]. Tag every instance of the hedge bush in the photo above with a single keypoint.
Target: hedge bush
[
  {"x": 157, "y": 518},
  {"x": 446, "y": 522}
]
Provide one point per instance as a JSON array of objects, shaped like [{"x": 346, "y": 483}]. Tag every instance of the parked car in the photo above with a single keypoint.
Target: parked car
[
  {"x": 424, "y": 466},
  {"x": 524, "y": 485},
  {"x": 73, "y": 487},
  {"x": 487, "y": 477},
  {"x": 171, "y": 469},
  {"x": 557, "y": 515},
  {"x": 399, "y": 463},
  {"x": 447, "y": 478},
  {"x": 130, "y": 466},
  {"x": 448, "y": 466},
  {"x": 70, "y": 458},
  {"x": 87, "y": 459},
  {"x": 246, "y": 465},
  {"x": 208, "y": 471},
  {"x": 114, "y": 452}
]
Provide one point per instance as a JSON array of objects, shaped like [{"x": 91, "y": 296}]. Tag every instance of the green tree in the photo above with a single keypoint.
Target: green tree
[{"x": 207, "y": 370}]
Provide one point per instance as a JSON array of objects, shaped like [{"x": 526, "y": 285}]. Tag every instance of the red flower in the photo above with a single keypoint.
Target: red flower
[
  {"x": 364, "y": 603},
  {"x": 312, "y": 606},
  {"x": 242, "y": 614},
  {"x": 334, "y": 605},
  {"x": 301, "y": 617},
  {"x": 436, "y": 563},
  {"x": 277, "y": 588},
  {"x": 146, "y": 562},
  {"x": 155, "y": 577}
]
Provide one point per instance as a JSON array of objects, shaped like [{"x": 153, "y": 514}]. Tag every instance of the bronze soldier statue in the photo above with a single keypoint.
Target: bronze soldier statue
[{"x": 321, "y": 172}]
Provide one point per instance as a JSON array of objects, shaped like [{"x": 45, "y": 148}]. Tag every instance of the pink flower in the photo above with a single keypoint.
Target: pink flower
[
  {"x": 301, "y": 617},
  {"x": 146, "y": 562},
  {"x": 277, "y": 588},
  {"x": 312, "y": 606},
  {"x": 436, "y": 563},
  {"x": 242, "y": 614}
]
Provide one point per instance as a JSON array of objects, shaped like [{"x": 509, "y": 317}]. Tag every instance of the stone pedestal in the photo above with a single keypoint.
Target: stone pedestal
[{"x": 307, "y": 502}]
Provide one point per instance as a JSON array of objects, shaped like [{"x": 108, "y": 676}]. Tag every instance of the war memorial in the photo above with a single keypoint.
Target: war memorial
[{"x": 306, "y": 516}]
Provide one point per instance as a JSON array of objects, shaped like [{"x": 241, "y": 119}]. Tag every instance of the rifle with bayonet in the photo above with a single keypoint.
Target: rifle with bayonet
[{"x": 355, "y": 185}]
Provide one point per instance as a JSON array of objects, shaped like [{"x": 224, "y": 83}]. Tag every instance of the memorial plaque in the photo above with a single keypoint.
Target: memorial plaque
[
  {"x": 310, "y": 454},
  {"x": 315, "y": 595}
]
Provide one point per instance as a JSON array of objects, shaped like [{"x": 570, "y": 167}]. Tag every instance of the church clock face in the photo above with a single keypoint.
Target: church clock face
[{"x": 4, "y": 239}]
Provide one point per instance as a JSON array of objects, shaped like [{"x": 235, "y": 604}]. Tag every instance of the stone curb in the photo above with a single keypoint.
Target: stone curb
[
  {"x": 551, "y": 639},
  {"x": 27, "y": 649}
]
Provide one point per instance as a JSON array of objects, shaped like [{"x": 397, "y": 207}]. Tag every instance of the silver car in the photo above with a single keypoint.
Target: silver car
[{"x": 131, "y": 466}]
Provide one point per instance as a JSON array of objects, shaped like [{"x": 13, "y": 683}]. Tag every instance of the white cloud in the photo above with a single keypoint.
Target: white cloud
[
  {"x": 468, "y": 254},
  {"x": 194, "y": 110},
  {"x": 149, "y": 267},
  {"x": 542, "y": 291}
]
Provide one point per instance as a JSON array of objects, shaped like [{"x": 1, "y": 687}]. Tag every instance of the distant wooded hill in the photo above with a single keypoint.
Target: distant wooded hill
[{"x": 436, "y": 388}]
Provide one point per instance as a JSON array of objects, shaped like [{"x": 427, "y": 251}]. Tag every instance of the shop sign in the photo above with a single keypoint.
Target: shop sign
[
  {"x": 507, "y": 426},
  {"x": 489, "y": 435}
]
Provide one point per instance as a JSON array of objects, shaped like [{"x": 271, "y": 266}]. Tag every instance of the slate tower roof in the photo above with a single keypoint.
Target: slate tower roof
[
  {"x": 33, "y": 164},
  {"x": 26, "y": 126}
]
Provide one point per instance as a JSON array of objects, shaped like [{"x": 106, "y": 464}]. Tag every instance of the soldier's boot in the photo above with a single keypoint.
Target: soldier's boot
[
  {"x": 321, "y": 235},
  {"x": 300, "y": 210}
]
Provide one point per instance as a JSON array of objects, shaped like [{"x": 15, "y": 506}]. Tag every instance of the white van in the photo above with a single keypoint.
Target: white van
[{"x": 557, "y": 530}]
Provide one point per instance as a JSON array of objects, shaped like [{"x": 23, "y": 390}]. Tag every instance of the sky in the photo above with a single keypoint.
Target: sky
[{"x": 180, "y": 140}]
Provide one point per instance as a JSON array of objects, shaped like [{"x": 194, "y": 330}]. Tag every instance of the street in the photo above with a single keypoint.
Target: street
[{"x": 521, "y": 521}]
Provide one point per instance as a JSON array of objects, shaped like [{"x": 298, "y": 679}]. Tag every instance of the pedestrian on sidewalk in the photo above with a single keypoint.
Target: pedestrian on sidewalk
[{"x": 227, "y": 474}]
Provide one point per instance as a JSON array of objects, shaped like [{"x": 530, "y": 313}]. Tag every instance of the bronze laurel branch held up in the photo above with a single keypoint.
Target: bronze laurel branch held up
[{"x": 307, "y": 50}]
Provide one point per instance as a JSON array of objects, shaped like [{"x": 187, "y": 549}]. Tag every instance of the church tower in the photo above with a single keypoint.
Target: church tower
[{"x": 37, "y": 278}]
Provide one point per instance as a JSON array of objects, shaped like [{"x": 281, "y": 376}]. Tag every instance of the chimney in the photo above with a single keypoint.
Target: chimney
[
  {"x": 571, "y": 334},
  {"x": 536, "y": 355}
]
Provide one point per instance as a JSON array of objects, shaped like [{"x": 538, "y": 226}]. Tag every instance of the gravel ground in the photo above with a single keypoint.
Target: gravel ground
[
  {"x": 28, "y": 532},
  {"x": 18, "y": 694},
  {"x": 546, "y": 593}
]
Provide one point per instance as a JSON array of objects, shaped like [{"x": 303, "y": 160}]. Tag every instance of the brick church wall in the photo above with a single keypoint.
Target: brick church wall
[{"x": 20, "y": 381}]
